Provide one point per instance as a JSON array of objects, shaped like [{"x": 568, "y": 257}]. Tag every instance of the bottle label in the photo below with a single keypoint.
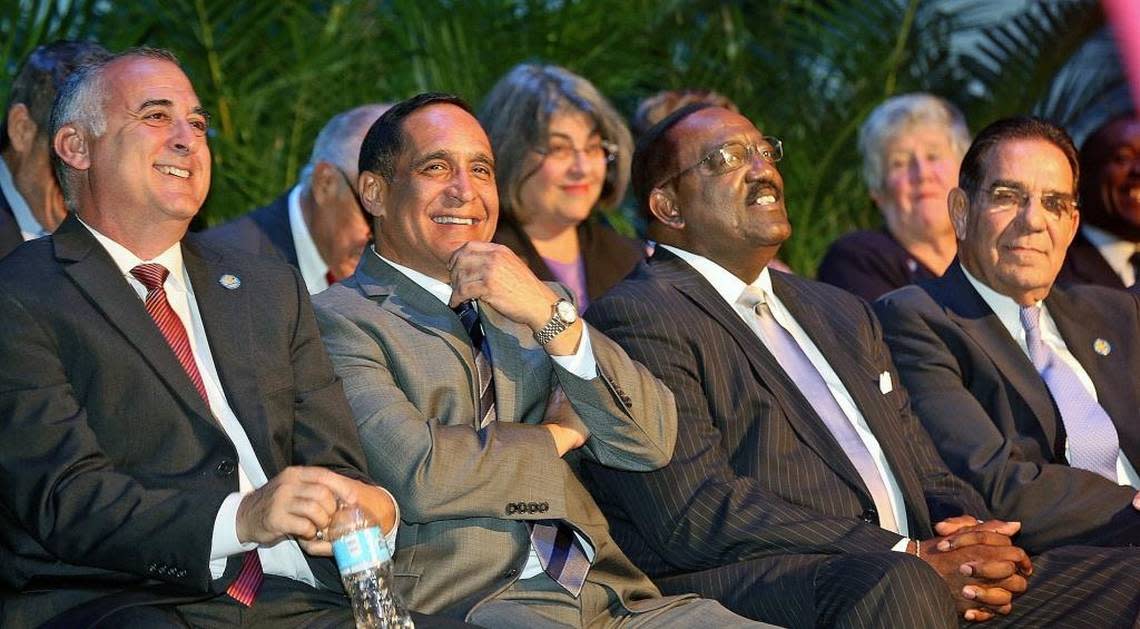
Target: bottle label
[{"x": 360, "y": 550}]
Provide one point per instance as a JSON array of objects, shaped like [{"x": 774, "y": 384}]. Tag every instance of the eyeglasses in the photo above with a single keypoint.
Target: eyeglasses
[
  {"x": 564, "y": 151},
  {"x": 1057, "y": 205},
  {"x": 732, "y": 156}
]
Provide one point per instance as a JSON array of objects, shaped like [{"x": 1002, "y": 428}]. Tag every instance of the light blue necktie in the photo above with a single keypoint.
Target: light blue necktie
[
  {"x": 1093, "y": 443},
  {"x": 811, "y": 384}
]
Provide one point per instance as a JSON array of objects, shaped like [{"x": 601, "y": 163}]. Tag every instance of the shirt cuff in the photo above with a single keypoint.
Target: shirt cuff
[
  {"x": 390, "y": 536},
  {"x": 901, "y": 546},
  {"x": 581, "y": 363},
  {"x": 224, "y": 541}
]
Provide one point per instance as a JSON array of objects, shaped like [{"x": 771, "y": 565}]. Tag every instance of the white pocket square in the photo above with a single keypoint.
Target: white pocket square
[{"x": 885, "y": 385}]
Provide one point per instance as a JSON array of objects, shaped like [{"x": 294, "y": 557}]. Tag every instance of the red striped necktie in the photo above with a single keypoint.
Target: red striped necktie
[{"x": 153, "y": 276}]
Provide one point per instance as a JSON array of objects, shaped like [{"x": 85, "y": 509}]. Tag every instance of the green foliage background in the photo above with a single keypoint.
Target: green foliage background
[{"x": 273, "y": 71}]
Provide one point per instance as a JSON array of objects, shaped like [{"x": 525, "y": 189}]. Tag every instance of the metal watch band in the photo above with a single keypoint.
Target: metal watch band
[{"x": 553, "y": 328}]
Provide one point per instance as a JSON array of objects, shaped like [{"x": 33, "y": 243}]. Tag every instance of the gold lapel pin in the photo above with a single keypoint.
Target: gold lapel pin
[
  {"x": 231, "y": 282},
  {"x": 1101, "y": 347}
]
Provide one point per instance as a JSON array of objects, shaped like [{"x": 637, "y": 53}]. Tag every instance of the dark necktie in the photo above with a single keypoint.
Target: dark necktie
[
  {"x": 469, "y": 317},
  {"x": 153, "y": 276},
  {"x": 330, "y": 278},
  {"x": 1093, "y": 442},
  {"x": 1134, "y": 259},
  {"x": 559, "y": 553},
  {"x": 813, "y": 387}
]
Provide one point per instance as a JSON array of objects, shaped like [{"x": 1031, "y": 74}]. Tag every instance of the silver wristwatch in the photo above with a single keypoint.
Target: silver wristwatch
[{"x": 563, "y": 314}]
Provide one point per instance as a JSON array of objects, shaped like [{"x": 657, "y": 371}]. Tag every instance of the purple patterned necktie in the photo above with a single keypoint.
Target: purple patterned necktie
[
  {"x": 811, "y": 384},
  {"x": 1093, "y": 443}
]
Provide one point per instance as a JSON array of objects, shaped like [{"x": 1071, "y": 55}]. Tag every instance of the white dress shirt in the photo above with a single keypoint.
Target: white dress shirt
[
  {"x": 284, "y": 558},
  {"x": 312, "y": 266},
  {"x": 1116, "y": 251},
  {"x": 729, "y": 287},
  {"x": 29, "y": 227},
  {"x": 1009, "y": 313},
  {"x": 581, "y": 364}
]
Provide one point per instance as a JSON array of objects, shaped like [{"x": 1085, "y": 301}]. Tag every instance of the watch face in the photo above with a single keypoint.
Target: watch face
[{"x": 566, "y": 311}]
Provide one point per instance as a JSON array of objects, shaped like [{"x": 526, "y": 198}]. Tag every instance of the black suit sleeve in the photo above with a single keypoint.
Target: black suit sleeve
[
  {"x": 1056, "y": 504},
  {"x": 60, "y": 486},
  {"x": 697, "y": 512}
]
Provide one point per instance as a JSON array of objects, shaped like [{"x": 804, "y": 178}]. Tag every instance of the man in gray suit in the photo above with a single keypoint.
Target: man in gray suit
[
  {"x": 30, "y": 201},
  {"x": 1031, "y": 391},
  {"x": 318, "y": 226},
  {"x": 477, "y": 417}
]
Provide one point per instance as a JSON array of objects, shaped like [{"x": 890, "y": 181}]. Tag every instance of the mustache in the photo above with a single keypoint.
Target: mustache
[{"x": 756, "y": 187}]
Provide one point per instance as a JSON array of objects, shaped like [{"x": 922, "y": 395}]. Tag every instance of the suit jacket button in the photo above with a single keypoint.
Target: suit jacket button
[
  {"x": 226, "y": 468},
  {"x": 870, "y": 516}
]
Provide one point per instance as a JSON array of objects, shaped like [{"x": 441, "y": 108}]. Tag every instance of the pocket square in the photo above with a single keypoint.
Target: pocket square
[{"x": 885, "y": 385}]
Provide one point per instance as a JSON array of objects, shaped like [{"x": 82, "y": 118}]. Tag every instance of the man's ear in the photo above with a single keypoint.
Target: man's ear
[
  {"x": 373, "y": 190},
  {"x": 959, "y": 206},
  {"x": 72, "y": 147},
  {"x": 664, "y": 208},
  {"x": 324, "y": 183},
  {"x": 22, "y": 129}
]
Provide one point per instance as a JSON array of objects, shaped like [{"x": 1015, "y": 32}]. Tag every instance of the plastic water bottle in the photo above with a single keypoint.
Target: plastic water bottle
[{"x": 365, "y": 565}]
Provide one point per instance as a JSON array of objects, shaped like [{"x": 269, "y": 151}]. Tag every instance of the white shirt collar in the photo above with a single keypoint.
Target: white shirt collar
[
  {"x": 1115, "y": 250},
  {"x": 29, "y": 227},
  {"x": 312, "y": 266},
  {"x": 1009, "y": 312},
  {"x": 727, "y": 285},
  {"x": 440, "y": 290},
  {"x": 125, "y": 260}
]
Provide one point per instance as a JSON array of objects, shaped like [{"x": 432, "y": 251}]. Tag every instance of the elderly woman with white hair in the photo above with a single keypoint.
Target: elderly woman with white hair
[
  {"x": 562, "y": 153},
  {"x": 912, "y": 146}
]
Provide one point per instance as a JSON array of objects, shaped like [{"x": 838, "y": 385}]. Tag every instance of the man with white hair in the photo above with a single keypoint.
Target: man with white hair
[{"x": 318, "y": 226}]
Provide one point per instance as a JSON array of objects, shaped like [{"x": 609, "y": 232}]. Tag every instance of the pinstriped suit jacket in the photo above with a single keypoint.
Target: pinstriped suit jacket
[
  {"x": 756, "y": 472},
  {"x": 409, "y": 373}
]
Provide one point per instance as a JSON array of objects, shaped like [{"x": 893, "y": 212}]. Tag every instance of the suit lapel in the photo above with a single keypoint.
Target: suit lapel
[
  {"x": 10, "y": 236},
  {"x": 226, "y": 319},
  {"x": 965, "y": 307},
  {"x": 798, "y": 411},
  {"x": 1113, "y": 374},
  {"x": 94, "y": 272},
  {"x": 396, "y": 293},
  {"x": 820, "y": 322}
]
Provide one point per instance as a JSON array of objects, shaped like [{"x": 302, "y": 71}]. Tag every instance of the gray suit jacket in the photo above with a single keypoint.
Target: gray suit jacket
[
  {"x": 465, "y": 494},
  {"x": 991, "y": 414}
]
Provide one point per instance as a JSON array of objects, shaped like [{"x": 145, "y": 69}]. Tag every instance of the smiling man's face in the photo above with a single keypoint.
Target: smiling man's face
[
  {"x": 442, "y": 193},
  {"x": 151, "y": 163},
  {"x": 1018, "y": 252}
]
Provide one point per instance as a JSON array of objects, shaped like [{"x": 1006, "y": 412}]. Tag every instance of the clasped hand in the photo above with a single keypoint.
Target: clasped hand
[
  {"x": 300, "y": 501},
  {"x": 979, "y": 563}
]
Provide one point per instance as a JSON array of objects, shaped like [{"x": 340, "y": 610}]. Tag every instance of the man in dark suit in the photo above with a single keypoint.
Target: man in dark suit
[
  {"x": 30, "y": 202},
  {"x": 318, "y": 226},
  {"x": 1106, "y": 250},
  {"x": 802, "y": 491},
  {"x": 1030, "y": 391},
  {"x": 170, "y": 426}
]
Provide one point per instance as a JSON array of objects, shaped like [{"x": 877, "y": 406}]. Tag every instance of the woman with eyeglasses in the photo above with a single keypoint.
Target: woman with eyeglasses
[
  {"x": 911, "y": 146},
  {"x": 561, "y": 154}
]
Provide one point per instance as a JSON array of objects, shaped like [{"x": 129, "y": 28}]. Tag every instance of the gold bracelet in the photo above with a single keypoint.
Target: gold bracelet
[{"x": 917, "y": 549}]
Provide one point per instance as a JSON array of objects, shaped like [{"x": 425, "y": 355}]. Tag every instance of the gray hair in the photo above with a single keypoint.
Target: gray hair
[
  {"x": 339, "y": 141},
  {"x": 902, "y": 113},
  {"x": 80, "y": 103},
  {"x": 516, "y": 116}
]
